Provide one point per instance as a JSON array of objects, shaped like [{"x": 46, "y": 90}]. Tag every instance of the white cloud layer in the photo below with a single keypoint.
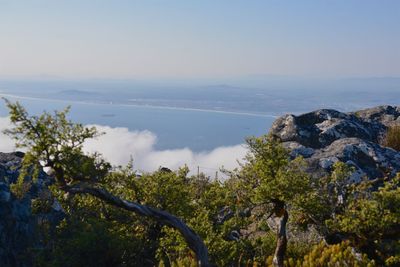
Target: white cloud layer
[
  {"x": 118, "y": 145},
  {"x": 6, "y": 143}
]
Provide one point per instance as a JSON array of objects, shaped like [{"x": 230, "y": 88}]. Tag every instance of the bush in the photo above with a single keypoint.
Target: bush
[
  {"x": 323, "y": 255},
  {"x": 334, "y": 255},
  {"x": 392, "y": 137}
]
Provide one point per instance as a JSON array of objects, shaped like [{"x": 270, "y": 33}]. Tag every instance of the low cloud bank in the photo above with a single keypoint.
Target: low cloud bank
[
  {"x": 6, "y": 143},
  {"x": 118, "y": 145}
]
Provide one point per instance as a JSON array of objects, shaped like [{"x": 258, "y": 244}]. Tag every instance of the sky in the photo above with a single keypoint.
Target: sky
[{"x": 193, "y": 39}]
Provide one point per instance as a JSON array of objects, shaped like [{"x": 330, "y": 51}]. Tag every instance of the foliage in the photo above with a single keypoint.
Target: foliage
[
  {"x": 326, "y": 198},
  {"x": 270, "y": 183},
  {"x": 332, "y": 255},
  {"x": 371, "y": 221},
  {"x": 231, "y": 216},
  {"x": 320, "y": 255},
  {"x": 53, "y": 141},
  {"x": 273, "y": 175}
]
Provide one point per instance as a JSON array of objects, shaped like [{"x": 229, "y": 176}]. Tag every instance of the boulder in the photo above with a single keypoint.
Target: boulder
[
  {"x": 386, "y": 115},
  {"x": 326, "y": 136}
]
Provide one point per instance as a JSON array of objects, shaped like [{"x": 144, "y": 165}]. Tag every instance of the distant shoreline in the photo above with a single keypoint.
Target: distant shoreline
[{"x": 138, "y": 105}]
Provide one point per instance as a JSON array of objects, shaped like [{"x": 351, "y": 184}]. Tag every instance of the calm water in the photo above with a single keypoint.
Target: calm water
[
  {"x": 196, "y": 129},
  {"x": 175, "y": 128}
]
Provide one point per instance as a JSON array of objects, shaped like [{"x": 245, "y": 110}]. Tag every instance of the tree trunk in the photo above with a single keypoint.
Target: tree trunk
[
  {"x": 281, "y": 240},
  {"x": 194, "y": 242}
]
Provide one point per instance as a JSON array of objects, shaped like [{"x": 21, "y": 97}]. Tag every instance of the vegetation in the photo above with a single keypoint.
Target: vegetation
[
  {"x": 269, "y": 212},
  {"x": 269, "y": 181},
  {"x": 371, "y": 221},
  {"x": 392, "y": 137}
]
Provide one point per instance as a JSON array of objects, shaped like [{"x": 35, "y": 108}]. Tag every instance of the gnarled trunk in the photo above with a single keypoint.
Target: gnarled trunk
[{"x": 194, "y": 242}]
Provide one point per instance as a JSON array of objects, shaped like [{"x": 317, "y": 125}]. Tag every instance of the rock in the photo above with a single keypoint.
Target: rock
[
  {"x": 386, "y": 115},
  {"x": 320, "y": 128},
  {"x": 297, "y": 149},
  {"x": 18, "y": 226},
  {"x": 326, "y": 136}
]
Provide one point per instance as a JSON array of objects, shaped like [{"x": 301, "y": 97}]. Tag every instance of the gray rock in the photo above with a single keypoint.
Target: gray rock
[
  {"x": 297, "y": 149},
  {"x": 325, "y": 136},
  {"x": 320, "y": 128},
  {"x": 386, "y": 115},
  {"x": 18, "y": 226}
]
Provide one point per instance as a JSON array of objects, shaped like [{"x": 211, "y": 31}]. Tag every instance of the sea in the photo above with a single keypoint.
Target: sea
[
  {"x": 200, "y": 117},
  {"x": 199, "y": 130}
]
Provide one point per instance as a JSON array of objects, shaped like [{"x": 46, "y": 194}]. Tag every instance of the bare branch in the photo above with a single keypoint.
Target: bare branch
[{"x": 194, "y": 242}]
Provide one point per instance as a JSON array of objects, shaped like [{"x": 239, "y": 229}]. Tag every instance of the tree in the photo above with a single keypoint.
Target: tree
[
  {"x": 371, "y": 220},
  {"x": 327, "y": 198},
  {"x": 54, "y": 142},
  {"x": 270, "y": 178}
]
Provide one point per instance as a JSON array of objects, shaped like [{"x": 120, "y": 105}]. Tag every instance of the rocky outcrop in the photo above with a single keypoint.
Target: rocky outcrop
[
  {"x": 325, "y": 136},
  {"x": 19, "y": 233},
  {"x": 386, "y": 115}
]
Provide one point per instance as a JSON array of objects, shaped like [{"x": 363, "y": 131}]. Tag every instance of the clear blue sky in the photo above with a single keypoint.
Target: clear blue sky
[{"x": 186, "y": 39}]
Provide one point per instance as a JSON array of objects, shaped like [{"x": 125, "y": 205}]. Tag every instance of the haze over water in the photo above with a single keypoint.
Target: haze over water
[{"x": 198, "y": 116}]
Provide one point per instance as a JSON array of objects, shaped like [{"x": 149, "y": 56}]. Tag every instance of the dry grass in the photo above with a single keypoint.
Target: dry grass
[{"x": 392, "y": 137}]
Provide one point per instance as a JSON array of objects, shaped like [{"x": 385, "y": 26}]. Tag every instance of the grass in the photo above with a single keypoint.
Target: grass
[{"x": 392, "y": 137}]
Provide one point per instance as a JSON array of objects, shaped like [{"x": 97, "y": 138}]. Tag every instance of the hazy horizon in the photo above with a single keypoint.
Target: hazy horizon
[
  {"x": 193, "y": 40},
  {"x": 175, "y": 82}
]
